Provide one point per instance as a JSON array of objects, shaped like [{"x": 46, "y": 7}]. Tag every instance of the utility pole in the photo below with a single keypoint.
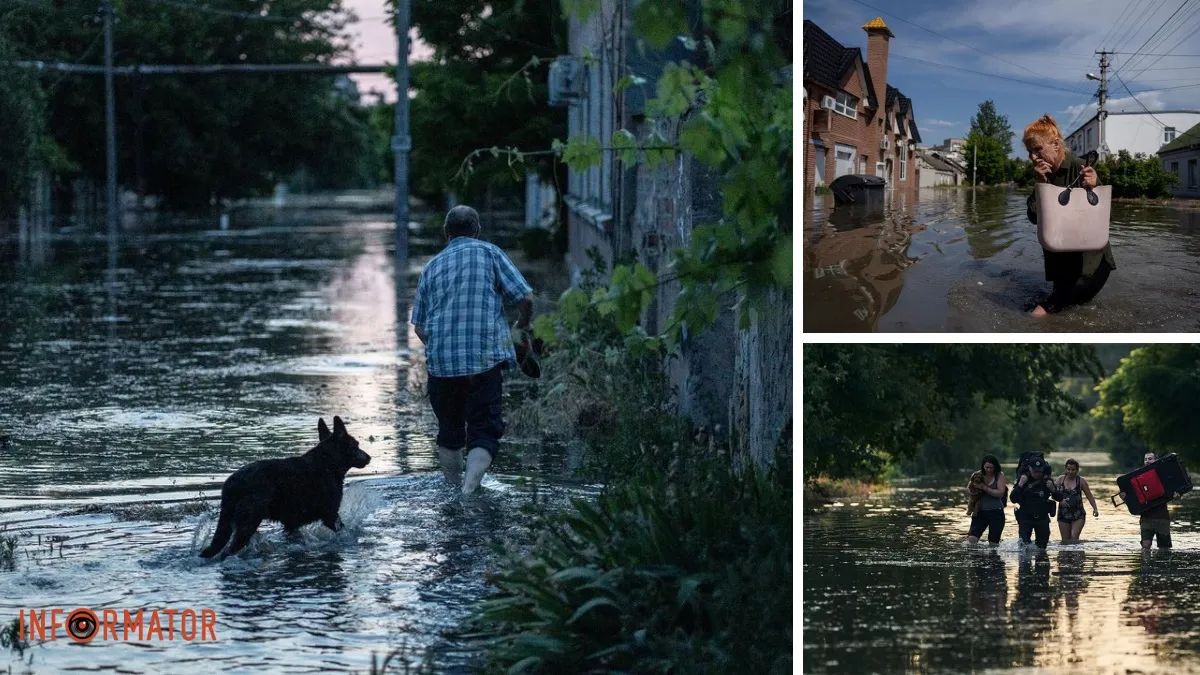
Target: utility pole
[
  {"x": 110, "y": 121},
  {"x": 401, "y": 141},
  {"x": 1102, "y": 115},
  {"x": 974, "y": 154}
]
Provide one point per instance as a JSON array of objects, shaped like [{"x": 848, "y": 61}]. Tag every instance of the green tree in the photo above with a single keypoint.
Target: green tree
[
  {"x": 196, "y": 139},
  {"x": 1136, "y": 176},
  {"x": 1153, "y": 394},
  {"x": 21, "y": 110},
  {"x": 866, "y": 406},
  {"x": 989, "y": 143},
  {"x": 485, "y": 87}
]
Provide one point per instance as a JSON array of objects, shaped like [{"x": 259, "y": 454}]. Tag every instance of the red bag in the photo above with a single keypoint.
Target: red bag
[{"x": 1147, "y": 487}]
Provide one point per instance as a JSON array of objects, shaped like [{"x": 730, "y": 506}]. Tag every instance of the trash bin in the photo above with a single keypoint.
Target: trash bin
[{"x": 858, "y": 189}]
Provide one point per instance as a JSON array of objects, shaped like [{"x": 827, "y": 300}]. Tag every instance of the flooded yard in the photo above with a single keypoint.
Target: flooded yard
[
  {"x": 969, "y": 261},
  {"x": 136, "y": 374}
]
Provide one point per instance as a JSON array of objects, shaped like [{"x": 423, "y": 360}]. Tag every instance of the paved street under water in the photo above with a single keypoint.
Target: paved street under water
[
  {"x": 889, "y": 586},
  {"x": 957, "y": 260},
  {"x": 132, "y": 384}
]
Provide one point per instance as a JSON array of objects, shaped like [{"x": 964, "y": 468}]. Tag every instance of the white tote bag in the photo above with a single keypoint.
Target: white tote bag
[{"x": 1077, "y": 225}]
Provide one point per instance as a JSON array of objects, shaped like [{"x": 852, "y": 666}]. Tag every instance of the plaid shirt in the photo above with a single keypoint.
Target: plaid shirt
[{"x": 459, "y": 305}]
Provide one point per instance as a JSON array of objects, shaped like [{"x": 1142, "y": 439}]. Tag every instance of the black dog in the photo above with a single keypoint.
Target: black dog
[{"x": 294, "y": 491}]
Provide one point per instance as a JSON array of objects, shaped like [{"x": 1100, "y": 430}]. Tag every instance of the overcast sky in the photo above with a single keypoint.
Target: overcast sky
[{"x": 1050, "y": 43}]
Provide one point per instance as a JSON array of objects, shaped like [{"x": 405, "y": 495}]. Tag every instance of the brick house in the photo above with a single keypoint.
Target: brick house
[{"x": 854, "y": 122}]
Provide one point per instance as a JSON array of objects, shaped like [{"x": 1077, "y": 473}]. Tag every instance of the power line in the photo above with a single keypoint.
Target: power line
[
  {"x": 1139, "y": 102},
  {"x": 1181, "y": 41},
  {"x": 1164, "y": 23},
  {"x": 207, "y": 69},
  {"x": 1002, "y": 77},
  {"x": 1116, "y": 25}
]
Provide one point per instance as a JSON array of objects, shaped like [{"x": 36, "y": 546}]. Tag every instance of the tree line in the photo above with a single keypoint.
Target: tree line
[
  {"x": 193, "y": 141},
  {"x": 873, "y": 410}
]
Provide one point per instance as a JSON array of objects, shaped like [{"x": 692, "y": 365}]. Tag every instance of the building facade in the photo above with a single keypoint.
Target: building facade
[
  {"x": 734, "y": 382},
  {"x": 1131, "y": 131},
  {"x": 854, "y": 122},
  {"x": 1181, "y": 157}
]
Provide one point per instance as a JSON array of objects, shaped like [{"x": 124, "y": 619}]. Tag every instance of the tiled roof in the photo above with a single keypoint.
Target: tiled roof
[
  {"x": 937, "y": 163},
  {"x": 826, "y": 60},
  {"x": 901, "y": 105},
  {"x": 1183, "y": 141}
]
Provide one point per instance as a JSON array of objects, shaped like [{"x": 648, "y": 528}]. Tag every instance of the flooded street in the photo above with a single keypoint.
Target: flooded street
[
  {"x": 135, "y": 378},
  {"x": 890, "y": 587},
  {"x": 956, "y": 260}
]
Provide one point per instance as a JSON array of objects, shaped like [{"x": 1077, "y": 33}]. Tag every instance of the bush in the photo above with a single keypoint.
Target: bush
[
  {"x": 1136, "y": 176},
  {"x": 686, "y": 572}
]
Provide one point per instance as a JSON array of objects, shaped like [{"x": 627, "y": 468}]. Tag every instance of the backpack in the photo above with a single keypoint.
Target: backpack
[{"x": 1027, "y": 459}]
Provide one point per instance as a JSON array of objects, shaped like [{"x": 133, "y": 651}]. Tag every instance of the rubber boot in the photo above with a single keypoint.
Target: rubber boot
[
  {"x": 451, "y": 462},
  {"x": 478, "y": 461}
]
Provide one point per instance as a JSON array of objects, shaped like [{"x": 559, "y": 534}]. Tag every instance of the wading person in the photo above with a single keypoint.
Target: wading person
[
  {"x": 1155, "y": 522},
  {"x": 1034, "y": 491},
  {"x": 458, "y": 314},
  {"x": 1072, "y": 488},
  {"x": 988, "y": 494},
  {"x": 1077, "y": 276}
]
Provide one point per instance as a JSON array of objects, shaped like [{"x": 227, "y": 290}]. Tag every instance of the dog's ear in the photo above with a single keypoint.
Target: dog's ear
[
  {"x": 338, "y": 427},
  {"x": 322, "y": 430}
]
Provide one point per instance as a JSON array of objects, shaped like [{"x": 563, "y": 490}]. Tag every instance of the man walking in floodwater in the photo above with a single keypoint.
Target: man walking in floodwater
[
  {"x": 1156, "y": 521},
  {"x": 1033, "y": 492},
  {"x": 459, "y": 316}
]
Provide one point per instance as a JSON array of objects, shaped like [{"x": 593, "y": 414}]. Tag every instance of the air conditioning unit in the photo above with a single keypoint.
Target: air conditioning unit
[
  {"x": 565, "y": 82},
  {"x": 884, "y": 143},
  {"x": 827, "y": 102}
]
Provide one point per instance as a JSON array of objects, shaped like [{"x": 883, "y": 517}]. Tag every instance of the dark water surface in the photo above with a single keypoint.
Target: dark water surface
[
  {"x": 890, "y": 587},
  {"x": 955, "y": 260},
  {"x": 129, "y": 390}
]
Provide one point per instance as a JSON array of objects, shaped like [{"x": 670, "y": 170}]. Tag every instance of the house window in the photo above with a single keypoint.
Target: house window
[
  {"x": 903, "y": 166},
  {"x": 846, "y": 105},
  {"x": 844, "y": 155},
  {"x": 1175, "y": 168},
  {"x": 1168, "y": 134},
  {"x": 1192, "y": 174}
]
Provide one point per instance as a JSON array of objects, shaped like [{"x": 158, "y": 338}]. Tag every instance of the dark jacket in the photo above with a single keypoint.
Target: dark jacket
[
  {"x": 1034, "y": 498},
  {"x": 1067, "y": 267}
]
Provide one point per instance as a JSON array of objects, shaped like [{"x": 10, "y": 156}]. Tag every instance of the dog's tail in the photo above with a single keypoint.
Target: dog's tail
[{"x": 224, "y": 530}]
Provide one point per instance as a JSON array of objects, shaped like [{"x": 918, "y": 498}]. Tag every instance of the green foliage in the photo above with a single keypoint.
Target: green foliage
[
  {"x": 1021, "y": 172},
  {"x": 195, "y": 139},
  {"x": 1152, "y": 394},
  {"x": 686, "y": 573},
  {"x": 485, "y": 87},
  {"x": 1136, "y": 176},
  {"x": 602, "y": 379},
  {"x": 21, "y": 108},
  {"x": 988, "y": 146},
  {"x": 866, "y": 406}
]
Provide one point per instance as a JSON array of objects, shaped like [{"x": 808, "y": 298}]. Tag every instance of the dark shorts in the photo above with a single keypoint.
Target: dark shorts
[
  {"x": 468, "y": 410},
  {"x": 991, "y": 520},
  {"x": 1162, "y": 528}
]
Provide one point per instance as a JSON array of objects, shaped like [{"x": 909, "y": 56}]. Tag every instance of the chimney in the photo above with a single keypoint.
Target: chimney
[{"x": 878, "y": 35}]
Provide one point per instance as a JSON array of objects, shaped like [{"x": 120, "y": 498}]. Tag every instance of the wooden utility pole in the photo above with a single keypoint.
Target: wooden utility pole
[{"x": 401, "y": 141}]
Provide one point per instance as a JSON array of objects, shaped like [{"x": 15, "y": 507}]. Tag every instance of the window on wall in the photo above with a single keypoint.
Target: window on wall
[
  {"x": 903, "y": 165},
  {"x": 846, "y": 105},
  {"x": 1168, "y": 134},
  {"x": 1175, "y": 168},
  {"x": 1192, "y": 173},
  {"x": 592, "y": 117}
]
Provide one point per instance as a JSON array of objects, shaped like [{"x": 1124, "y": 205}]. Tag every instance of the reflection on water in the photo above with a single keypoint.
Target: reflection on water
[
  {"x": 890, "y": 587},
  {"x": 956, "y": 260},
  {"x": 131, "y": 385}
]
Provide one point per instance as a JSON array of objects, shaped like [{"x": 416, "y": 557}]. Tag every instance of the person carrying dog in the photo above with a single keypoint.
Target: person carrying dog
[
  {"x": 1033, "y": 491},
  {"x": 458, "y": 314}
]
